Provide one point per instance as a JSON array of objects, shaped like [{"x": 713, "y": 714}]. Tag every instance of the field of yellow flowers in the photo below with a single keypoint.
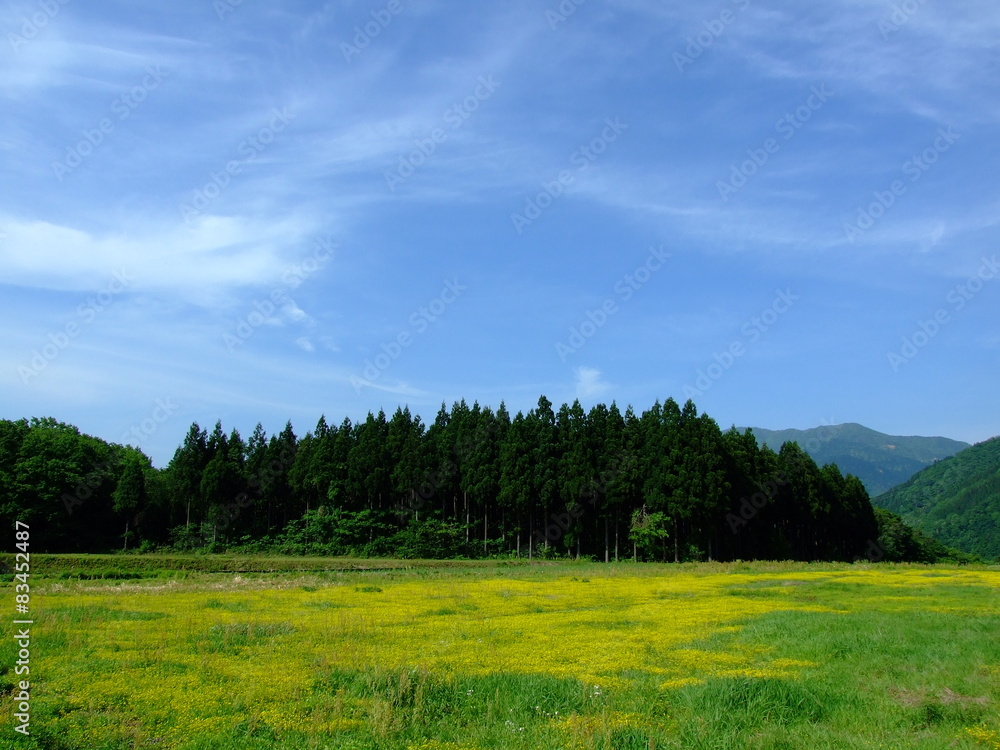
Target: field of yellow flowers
[{"x": 545, "y": 656}]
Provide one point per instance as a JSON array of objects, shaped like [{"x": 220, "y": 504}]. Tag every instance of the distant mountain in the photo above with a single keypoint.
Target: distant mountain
[
  {"x": 880, "y": 461},
  {"x": 957, "y": 501}
]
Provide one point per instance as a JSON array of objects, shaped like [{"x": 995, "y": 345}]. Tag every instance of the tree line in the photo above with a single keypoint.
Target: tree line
[{"x": 666, "y": 484}]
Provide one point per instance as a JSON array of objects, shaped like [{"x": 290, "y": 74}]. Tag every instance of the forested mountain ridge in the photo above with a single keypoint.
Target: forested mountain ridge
[
  {"x": 880, "y": 461},
  {"x": 664, "y": 484},
  {"x": 956, "y": 500}
]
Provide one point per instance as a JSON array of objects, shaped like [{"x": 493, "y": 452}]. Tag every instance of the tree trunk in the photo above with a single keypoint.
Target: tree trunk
[
  {"x": 607, "y": 541},
  {"x": 677, "y": 556},
  {"x": 531, "y": 534},
  {"x": 616, "y": 536}
]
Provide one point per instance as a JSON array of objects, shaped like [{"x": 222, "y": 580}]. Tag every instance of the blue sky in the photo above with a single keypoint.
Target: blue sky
[{"x": 260, "y": 212}]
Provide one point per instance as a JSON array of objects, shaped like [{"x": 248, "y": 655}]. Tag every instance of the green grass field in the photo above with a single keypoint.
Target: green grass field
[{"x": 202, "y": 652}]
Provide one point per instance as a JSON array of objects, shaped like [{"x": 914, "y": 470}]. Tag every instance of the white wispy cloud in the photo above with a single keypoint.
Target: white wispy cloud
[
  {"x": 214, "y": 255},
  {"x": 590, "y": 383}
]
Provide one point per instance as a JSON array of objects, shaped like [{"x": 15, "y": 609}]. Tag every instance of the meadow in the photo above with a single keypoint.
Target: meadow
[{"x": 140, "y": 652}]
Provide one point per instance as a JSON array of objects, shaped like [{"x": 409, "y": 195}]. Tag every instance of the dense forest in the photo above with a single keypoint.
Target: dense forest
[
  {"x": 666, "y": 484},
  {"x": 956, "y": 500}
]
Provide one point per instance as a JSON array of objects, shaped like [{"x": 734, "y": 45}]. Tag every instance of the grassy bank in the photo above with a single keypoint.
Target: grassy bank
[{"x": 124, "y": 567}]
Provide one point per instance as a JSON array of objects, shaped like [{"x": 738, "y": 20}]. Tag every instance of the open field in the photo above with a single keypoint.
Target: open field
[{"x": 487, "y": 655}]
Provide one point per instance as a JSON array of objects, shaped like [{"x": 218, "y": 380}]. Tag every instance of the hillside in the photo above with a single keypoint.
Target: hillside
[
  {"x": 957, "y": 501},
  {"x": 880, "y": 461}
]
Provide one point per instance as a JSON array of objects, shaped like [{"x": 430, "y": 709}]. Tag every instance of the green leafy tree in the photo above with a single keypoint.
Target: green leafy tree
[
  {"x": 575, "y": 462},
  {"x": 221, "y": 484},
  {"x": 544, "y": 485},
  {"x": 649, "y": 531},
  {"x": 279, "y": 458},
  {"x": 184, "y": 473},
  {"x": 515, "y": 493},
  {"x": 485, "y": 473},
  {"x": 62, "y": 483},
  {"x": 130, "y": 496},
  {"x": 343, "y": 491},
  {"x": 406, "y": 456}
]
